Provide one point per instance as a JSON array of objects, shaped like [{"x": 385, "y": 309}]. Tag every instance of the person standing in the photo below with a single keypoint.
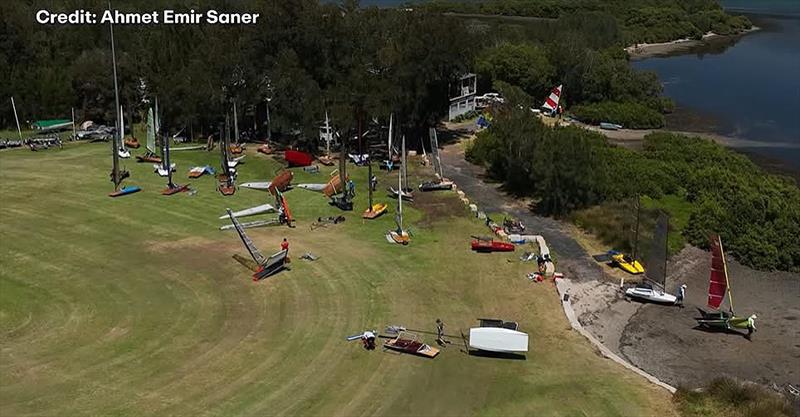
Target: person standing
[{"x": 440, "y": 332}]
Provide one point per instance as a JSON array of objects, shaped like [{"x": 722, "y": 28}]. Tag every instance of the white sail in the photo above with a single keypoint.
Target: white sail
[{"x": 151, "y": 132}]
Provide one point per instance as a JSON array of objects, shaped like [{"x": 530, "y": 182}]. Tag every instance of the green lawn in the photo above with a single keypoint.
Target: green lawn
[{"x": 134, "y": 306}]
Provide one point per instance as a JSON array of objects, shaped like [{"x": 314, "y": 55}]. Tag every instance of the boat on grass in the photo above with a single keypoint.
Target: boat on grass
[
  {"x": 498, "y": 339},
  {"x": 409, "y": 343},
  {"x": 491, "y": 245}
]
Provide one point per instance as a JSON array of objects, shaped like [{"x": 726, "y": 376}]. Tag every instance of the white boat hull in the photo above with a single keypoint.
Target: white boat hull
[
  {"x": 261, "y": 186},
  {"x": 235, "y": 161},
  {"x": 651, "y": 295},
  {"x": 498, "y": 339},
  {"x": 124, "y": 153},
  {"x": 252, "y": 211},
  {"x": 312, "y": 187}
]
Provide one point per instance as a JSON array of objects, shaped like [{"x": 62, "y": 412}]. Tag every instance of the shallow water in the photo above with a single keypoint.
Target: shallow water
[{"x": 747, "y": 88}]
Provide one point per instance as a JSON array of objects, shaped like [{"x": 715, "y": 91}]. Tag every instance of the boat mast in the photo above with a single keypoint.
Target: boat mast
[
  {"x": 400, "y": 192},
  {"x": 369, "y": 182},
  {"x": 725, "y": 270},
  {"x": 666, "y": 255},
  {"x": 328, "y": 135},
  {"x": 391, "y": 131},
  {"x": 636, "y": 230},
  {"x": 235, "y": 123},
  {"x": 405, "y": 166},
  {"x": 115, "y": 172},
  {"x": 167, "y": 163},
  {"x": 19, "y": 131}
]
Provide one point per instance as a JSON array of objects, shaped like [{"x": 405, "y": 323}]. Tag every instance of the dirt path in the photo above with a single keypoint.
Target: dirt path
[{"x": 662, "y": 340}]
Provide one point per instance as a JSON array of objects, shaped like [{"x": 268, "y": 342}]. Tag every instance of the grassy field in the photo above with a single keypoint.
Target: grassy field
[{"x": 134, "y": 306}]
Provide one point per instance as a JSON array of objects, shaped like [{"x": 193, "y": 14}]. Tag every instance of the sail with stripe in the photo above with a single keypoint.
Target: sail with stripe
[
  {"x": 551, "y": 103},
  {"x": 718, "y": 282}
]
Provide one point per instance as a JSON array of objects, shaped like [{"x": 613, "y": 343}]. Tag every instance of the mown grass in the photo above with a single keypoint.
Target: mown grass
[{"x": 134, "y": 306}]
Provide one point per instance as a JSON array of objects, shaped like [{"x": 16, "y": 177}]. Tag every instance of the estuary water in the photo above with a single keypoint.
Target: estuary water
[{"x": 745, "y": 88}]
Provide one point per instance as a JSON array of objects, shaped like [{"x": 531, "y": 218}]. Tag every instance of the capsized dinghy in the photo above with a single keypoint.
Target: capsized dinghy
[{"x": 498, "y": 339}]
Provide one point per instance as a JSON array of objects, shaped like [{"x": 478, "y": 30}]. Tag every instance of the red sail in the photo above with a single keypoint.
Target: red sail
[{"x": 718, "y": 282}]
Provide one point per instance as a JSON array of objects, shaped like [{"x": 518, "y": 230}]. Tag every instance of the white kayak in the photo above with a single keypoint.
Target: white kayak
[
  {"x": 498, "y": 339},
  {"x": 312, "y": 187},
  {"x": 262, "y": 186},
  {"x": 252, "y": 211}
]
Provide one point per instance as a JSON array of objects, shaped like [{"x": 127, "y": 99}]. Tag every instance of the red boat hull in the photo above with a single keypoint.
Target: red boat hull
[
  {"x": 492, "y": 246},
  {"x": 298, "y": 158}
]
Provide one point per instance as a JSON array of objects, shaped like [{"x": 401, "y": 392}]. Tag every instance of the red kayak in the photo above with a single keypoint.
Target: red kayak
[
  {"x": 491, "y": 246},
  {"x": 298, "y": 158}
]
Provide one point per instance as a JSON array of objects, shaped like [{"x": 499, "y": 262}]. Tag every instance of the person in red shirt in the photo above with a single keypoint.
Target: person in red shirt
[{"x": 285, "y": 244}]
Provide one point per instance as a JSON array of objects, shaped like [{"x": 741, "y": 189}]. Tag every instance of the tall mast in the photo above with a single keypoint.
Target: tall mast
[
  {"x": 400, "y": 193},
  {"x": 666, "y": 254},
  {"x": 405, "y": 166},
  {"x": 168, "y": 164},
  {"x": 391, "y": 131},
  {"x": 636, "y": 230},
  {"x": 369, "y": 182},
  {"x": 115, "y": 173},
  {"x": 235, "y": 123},
  {"x": 328, "y": 135},
  {"x": 19, "y": 131},
  {"x": 725, "y": 269},
  {"x": 121, "y": 128}
]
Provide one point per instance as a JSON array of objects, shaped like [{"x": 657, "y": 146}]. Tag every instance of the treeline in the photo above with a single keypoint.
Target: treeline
[
  {"x": 599, "y": 84},
  {"x": 640, "y": 20},
  {"x": 570, "y": 168},
  {"x": 304, "y": 57}
]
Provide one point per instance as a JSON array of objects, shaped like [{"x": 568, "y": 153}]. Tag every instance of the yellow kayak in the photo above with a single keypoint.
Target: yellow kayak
[{"x": 627, "y": 264}]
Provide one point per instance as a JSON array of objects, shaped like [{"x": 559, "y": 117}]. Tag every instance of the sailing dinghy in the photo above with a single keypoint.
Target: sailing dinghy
[
  {"x": 227, "y": 176},
  {"x": 409, "y": 343},
  {"x": 117, "y": 175},
  {"x": 171, "y": 188},
  {"x": 399, "y": 235},
  {"x": 441, "y": 183},
  {"x": 718, "y": 287},
  {"x": 653, "y": 288},
  {"x": 374, "y": 210},
  {"x": 498, "y": 340},
  {"x": 150, "y": 145},
  {"x": 266, "y": 267}
]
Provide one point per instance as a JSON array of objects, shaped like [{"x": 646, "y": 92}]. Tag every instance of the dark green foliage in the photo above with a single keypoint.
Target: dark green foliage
[
  {"x": 629, "y": 115},
  {"x": 728, "y": 397},
  {"x": 757, "y": 214},
  {"x": 307, "y": 57},
  {"x": 639, "y": 21}
]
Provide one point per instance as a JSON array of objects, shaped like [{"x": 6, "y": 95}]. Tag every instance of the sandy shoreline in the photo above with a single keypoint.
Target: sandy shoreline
[
  {"x": 648, "y": 50},
  {"x": 662, "y": 341}
]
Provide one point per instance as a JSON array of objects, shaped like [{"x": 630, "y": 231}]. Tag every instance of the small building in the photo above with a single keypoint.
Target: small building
[{"x": 462, "y": 95}]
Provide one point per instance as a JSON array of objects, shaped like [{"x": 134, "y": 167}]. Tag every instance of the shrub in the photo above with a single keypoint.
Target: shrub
[{"x": 629, "y": 115}]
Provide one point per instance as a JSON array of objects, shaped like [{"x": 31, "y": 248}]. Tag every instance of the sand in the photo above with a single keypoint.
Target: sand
[
  {"x": 648, "y": 50},
  {"x": 661, "y": 340}
]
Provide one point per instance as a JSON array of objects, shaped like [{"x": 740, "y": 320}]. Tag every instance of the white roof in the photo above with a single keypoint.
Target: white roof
[{"x": 498, "y": 339}]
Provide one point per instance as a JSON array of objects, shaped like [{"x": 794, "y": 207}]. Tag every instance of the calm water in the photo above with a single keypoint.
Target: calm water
[{"x": 749, "y": 89}]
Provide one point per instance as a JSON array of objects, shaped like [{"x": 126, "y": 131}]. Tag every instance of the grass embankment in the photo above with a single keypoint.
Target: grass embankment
[
  {"x": 731, "y": 398},
  {"x": 134, "y": 306}
]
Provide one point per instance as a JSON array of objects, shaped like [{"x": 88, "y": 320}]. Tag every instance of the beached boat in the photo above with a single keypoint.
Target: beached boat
[
  {"x": 298, "y": 158},
  {"x": 498, "y": 339},
  {"x": 718, "y": 288},
  {"x": 198, "y": 171},
  {"x": 653, "y": 288},
  {"x": 409, "y": 343},
  {"x": 399, "y": 235},
  {"x": 266, "y": 266},
  {"x": 626, "y": 263},
  {"x": 490, "y": 245},
  {"x": 227, "y": 177},
  {"x": 150, "y": 144},
  {"x": 610, "y": 126},
  {"x": 117, "y": 174}
]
